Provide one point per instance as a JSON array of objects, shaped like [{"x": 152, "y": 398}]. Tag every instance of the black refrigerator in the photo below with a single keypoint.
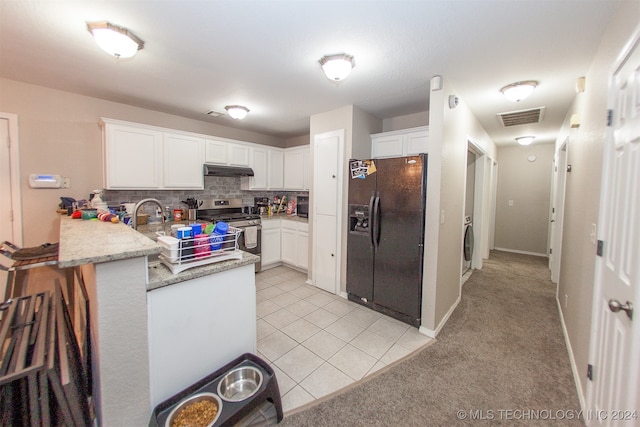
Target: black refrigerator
[{"x": 385, "y": 242}]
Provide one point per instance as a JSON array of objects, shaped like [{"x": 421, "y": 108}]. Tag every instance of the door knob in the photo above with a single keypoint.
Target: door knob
[{"x": 615, "y": 306}]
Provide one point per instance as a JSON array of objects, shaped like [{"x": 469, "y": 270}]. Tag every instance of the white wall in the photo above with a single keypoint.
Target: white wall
[
  {"x": 585, "y": 151},
  {"x": 358, "y": 126},
  {"x": 59, "y": 134},
  {"x": 524, "y": 225},
  {"x": 450, "y": 131},
  {"x": 406, "y": 122}
]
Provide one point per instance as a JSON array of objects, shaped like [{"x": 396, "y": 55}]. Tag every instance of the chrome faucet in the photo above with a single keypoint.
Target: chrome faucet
[{"x": 140, "y": 203}]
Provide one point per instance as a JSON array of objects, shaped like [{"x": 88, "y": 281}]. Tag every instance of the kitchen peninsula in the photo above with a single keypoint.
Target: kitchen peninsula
[{"x": 154, "y": 333}]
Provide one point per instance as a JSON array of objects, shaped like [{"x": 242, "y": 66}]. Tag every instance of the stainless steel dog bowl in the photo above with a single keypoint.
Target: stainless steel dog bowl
[
  {"x": 240, "y": 384},
  {"x": 194, "y": 399}
]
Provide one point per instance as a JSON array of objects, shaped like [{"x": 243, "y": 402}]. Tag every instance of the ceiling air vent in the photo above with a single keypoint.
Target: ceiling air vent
[
  {"x": 214, "y": 113},
  {"x": 522, "y": 117}
]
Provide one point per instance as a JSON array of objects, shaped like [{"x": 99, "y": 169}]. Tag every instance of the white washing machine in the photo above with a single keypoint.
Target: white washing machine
[{"x": 467, "y": 246}]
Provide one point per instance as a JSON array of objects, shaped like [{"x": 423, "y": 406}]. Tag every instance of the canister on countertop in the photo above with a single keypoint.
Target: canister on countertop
[
  {"x": 218, "y": 234},
  {"x": 186, "y": 243},
  {"x": 177, "y": 214},
  {"x": 202, "y": 247},
  {"x": 174, "y": 229}
]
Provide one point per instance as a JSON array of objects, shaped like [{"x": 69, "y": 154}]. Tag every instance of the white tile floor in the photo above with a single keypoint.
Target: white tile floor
[{"x": 317, "y": 342}]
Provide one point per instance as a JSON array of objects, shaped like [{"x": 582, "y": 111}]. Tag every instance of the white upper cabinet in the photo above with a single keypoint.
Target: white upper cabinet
[
  {"x": 228, "y": 153},
  {"x": 276, "y": 169},
  {"x": 139, "y": 156},
  {"x": 183, "y": 158},
  {"x": 267, "y": 164},
  {"x": 258, "y": 161},
  {"x": 238, "y": 154},
  {"x": 296, "y": 168},
  {"x": 400, "y": 143},
  {"x": 132, "y": 156},
  {"x": 145, "y": 157},
  {"x": 215, "y": 151}
]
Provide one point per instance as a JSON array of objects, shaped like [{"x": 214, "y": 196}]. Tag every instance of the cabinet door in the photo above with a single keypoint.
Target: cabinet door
[
  {"x": 386, "y": 146},
  {"x": 288, "y": 245},
  {"x": 133, "y": 157},
  {"x": 215, "y": 151},
  {"x": 270, "y": 246},
  {"x": 258, "y": 162},
  {"x": 183, "y": 158},
  {"x": 327, "y": 184},
  {"x": 294, "y": 169},
  {"x": 416, "y": 143},
  {"x": 275, "y": 170},
  {"x": 306, "y": 164},
  {"x": 238, "y": 154},
  {"x": 302, "y": 250}
]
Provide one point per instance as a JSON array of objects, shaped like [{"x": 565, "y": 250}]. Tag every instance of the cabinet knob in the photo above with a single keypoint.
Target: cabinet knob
[
  {"x": 332, "y": 255},
  {"x": 333, "y": 176}
]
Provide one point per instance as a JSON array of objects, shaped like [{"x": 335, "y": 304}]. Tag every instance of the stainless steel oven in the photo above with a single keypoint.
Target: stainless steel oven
[{"x": 231, "y": 212}]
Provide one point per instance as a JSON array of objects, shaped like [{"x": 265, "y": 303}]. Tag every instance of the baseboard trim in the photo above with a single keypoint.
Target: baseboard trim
[
  {"x": 515, "y": 251},
  {"x": 433, "y": 333},
  {"x": 572, "y": 360}
]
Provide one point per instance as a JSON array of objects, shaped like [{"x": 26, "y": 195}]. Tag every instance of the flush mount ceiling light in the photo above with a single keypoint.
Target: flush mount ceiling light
[
  {"x": 525, "y": 140},
  {"x": 337, "y": 67},
  {"x": 519, "y": 90},
  {"x": 237, "y": 112},
  {"x": 115, "y": 40}
]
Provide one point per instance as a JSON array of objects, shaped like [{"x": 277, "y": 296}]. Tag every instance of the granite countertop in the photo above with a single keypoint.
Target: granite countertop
[
  {"x": 93, "y": 241},
  {"x": 160, "y": 275}
]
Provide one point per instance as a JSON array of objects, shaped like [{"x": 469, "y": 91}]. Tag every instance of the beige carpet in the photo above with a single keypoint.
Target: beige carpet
[{"x": 500, "y": 360}]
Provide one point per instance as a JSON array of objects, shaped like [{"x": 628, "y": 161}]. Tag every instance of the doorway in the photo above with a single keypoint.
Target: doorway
[
  {"x": 557, "y": 210},
  {"x": 470, "y": 189},
  {"x": 11, "y": 211}
]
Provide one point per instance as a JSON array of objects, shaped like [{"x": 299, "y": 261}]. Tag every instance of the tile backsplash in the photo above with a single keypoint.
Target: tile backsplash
[{"x": 215, "y": 187}]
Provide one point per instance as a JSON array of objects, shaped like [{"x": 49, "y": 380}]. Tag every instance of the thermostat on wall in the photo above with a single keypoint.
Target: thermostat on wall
[{"x": 45, "y": 181}]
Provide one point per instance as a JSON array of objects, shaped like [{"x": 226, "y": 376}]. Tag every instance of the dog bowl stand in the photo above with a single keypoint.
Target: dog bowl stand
[{"x": 232, "y": 412}]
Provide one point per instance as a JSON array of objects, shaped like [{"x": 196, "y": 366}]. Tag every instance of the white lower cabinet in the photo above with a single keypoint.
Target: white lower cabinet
[
  {"x": 302, "y": 254},
  {"x": 270, "y": 242},
  {"x": 285, "y": 241},
  {"x": 295, "y": 243},
  {"x": 288, "y": 243}
]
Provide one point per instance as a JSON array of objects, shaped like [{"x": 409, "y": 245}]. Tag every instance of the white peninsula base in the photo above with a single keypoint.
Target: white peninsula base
[{"x": 197, "y": 326}]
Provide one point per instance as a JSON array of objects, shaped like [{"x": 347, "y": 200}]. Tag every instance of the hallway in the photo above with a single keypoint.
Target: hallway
[{"x": 501, "y": 358}]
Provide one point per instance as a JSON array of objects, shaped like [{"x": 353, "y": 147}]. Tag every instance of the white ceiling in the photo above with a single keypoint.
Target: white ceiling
[{"x": 203, "y": 55}]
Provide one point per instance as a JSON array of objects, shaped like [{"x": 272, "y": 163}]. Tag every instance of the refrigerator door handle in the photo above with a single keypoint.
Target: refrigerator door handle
[
  {"x": 371, "y": 219},
  {"x": 376, "y": 222}
]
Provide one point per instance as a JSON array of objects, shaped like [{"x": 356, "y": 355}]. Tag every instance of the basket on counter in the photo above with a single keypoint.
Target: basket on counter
[{"x": 181, "y": 254}]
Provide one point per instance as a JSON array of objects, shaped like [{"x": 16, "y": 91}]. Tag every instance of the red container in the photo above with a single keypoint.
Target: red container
[{"x": 202, "y": 247}]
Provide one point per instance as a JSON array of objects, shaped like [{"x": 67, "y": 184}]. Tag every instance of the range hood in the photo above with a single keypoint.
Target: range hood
[{"x": 217, "y": 170}]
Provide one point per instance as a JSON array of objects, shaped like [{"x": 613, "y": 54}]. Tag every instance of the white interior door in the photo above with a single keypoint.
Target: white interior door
[
  {"x": 10, "y": 210},
  {"x": 615, "y": 350},
  {"x": 327, "y": 210},
  {"x": 557, "y": 211}
]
